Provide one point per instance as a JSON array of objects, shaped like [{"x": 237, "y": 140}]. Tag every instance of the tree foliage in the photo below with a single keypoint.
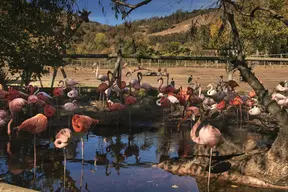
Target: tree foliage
[{"x": 34, "y": 33}]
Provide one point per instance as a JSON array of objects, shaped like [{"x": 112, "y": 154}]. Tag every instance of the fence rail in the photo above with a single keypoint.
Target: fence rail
[
  {"x": 107, "y": 61},
  {"x": 194, "y": 58}
]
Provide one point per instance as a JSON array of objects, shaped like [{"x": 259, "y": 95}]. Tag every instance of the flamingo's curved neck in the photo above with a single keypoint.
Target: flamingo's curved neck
[
  {"x": 37, "y": 90},
  {"x": 161, "y": 83},
  {"x": 139, "y": 76},
  {"x": 61, "y": 84},
  {"x": 193, "y": 131},
  {"x": 199, "y": 91},
  {"x": 211, "y": 88},
  {"x": 97, "y": 69},
  {"x": 110, "y": 76}
]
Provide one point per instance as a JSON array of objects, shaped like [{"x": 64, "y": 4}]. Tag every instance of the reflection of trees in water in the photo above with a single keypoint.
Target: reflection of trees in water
[
  {"x": 132, "y": 148},
  {"x": 50, "y": 170},
  {"x": 147, "y": 142},
  {"x": 164, "y": 143},
  {"x": 184, "y": 146}
]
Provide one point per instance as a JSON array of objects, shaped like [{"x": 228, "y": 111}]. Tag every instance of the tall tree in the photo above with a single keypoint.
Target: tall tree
[{"x": 34, "y": 33}]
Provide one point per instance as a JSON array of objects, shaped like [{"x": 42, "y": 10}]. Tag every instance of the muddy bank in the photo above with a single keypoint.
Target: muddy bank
[
  {"x": 12, "y": 188},
  {"x": 237, "y": 159}
]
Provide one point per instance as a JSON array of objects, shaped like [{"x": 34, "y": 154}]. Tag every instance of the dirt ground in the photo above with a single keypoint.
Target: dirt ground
[
  {"x": 270, "y": 76},
  {"x": 12, "y": 188}
]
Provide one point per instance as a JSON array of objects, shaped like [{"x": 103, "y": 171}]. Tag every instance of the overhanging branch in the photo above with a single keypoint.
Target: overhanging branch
[
  {"x": 273, "y": 13},
  {"x": 131, "y": 6}
]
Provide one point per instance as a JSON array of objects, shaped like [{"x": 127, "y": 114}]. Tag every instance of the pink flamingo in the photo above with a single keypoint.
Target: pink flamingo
[
  {"x": 130, "y": 100},
  {"x": 61, "y": 141},
  {"x": 209, "y": 136},
  {"x": 43, "y": 96},
  {"x": 35, "y": 125},
  {"x": 104, "y": 86},
  {"x": 62, "y": 138},
  {"x": 283, "y": 102},
  {"x": 115, "y": 107},
  {"x": 3, "y": 118},
  {"x": 162, "y": 88},
  {"x": 144, "y": 85},
  {"x": 82, "y": 123},
  {"x": 70, "y": 107},
  {"x": 191, "y": 112},
  {"x": 15, "y": 106}
]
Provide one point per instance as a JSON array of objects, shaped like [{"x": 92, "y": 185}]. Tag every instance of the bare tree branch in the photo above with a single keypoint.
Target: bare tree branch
[
  {"x": 131, "y": 6},
  {"x": 273, "y": 13}
]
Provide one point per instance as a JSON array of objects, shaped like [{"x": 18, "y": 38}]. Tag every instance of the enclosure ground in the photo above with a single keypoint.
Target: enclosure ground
[
  {"x": 270, "y": 76},
  {"x": 4, "y": 187}
]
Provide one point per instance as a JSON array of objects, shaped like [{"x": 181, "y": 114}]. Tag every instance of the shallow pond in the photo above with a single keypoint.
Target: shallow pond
[{"x": 114, "y": 160}]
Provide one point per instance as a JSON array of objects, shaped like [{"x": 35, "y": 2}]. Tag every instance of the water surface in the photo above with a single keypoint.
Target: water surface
[{"x": 114, "y": 160}]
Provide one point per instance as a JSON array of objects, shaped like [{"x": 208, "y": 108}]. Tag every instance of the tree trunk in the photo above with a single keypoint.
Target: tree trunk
[
  {"x": 40, "y": 80},
  {"x": 276, "y": 159},
  {"x": 55, "y": 70}
]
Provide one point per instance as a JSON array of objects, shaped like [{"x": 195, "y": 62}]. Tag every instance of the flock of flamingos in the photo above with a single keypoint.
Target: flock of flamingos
[{"x": 195, "y": 103}]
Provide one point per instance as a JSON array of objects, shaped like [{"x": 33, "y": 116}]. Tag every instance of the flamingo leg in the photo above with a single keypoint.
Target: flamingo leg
[
  {"x": 50, "y": 123},
  {"x": 130, "y": 118},
  {"x": 237, "y": 115},
  {"x": 100, "y": 96},
  {"x": 64, "y": 151},
  {"x": 82, "y": 147},
  {"x": 57, "y": 111},
  {"x": 35, "y": 157},
  {"x": 117, "y": 120},
  {"x": 209, "y": 171},
  {"x": 103, "y": 97},
  {"x": 247, "y": 113},
  {"x": 240, "y": 111},
  {"x": 69, "y": 119},
  {"x": 182, "y": 120},
  {"x": 163, "y": 114}
]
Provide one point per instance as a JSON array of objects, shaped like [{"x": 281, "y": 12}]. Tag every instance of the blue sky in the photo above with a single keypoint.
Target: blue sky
[{"x": 154, "y": 8}]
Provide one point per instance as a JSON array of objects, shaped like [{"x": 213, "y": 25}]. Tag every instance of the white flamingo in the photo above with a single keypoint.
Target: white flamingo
[
  {"x": 70, "y": 107},
  {"x": 72, "y": 94},
  {"x": 99, "y": 77},
  {"x": 255, "y": 110},
  {"x": 211, "y": 91},
  {"x": 283, "y": 102},
  {"x": 277, "y": 96}
]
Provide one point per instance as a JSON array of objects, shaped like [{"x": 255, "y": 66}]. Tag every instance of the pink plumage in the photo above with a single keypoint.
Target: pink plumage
[
  {"x": 35, "y": 124},
  {"x": 208, "y": 135},
  {"x": 115, "y": 106},
  {"x": 16, "y": 105}
]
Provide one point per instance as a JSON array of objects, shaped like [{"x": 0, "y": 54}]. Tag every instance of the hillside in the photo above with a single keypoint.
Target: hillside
[
  {"x": 140, "y": 36},
  {"x": 184, "y": 26}
]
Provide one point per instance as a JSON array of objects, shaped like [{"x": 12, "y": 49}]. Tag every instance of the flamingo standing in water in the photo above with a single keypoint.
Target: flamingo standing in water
[
  {"x": 104, "y": 86},
  {"x": 35, "y": 125},
  {"x": 130, "y": 100},
  {"x": 209, "y": 136},
  {"x": 15, "y": 106},
  {"x": 70, "y": 107},
  {"x": 81, "y": 123},
  {"x": 115, "y": 107}
]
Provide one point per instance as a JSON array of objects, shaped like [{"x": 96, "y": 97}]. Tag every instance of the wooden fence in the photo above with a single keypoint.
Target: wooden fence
[{"x": 108, "y": 61}]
